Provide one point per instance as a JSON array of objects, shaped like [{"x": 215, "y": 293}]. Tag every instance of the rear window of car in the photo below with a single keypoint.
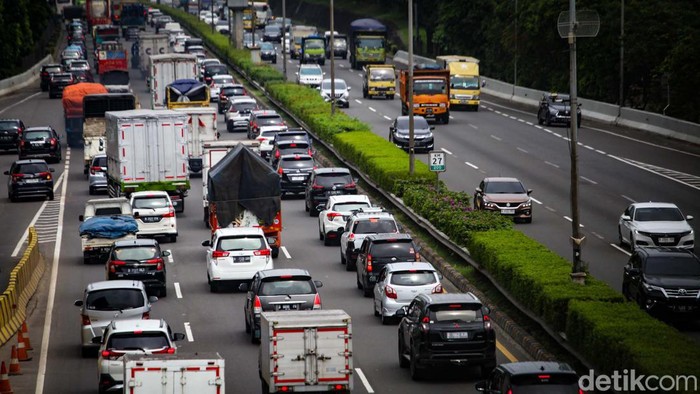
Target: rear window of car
[
  {"x": 53, "y": 69},
  {"x": 133, "y": 341},
  {"x": 150, "y": 202},
  {"x": 62, "y": 77},
  {"x": 457, "y": 313},
  {"x": 108, "y": 211},
  {"x": 244, "y": 242},
  {"x": 304, "y": 162},
  {"x": 114, "y": 299},
  {"x": 413, "y": 278},
  {"x": 31, "y": 168},
  {"x": 36, "y": 135},
  {"x": 284, "y": 286},
  {"x": 215, "y": 69},
  {"x": 545, "y": 383},
  {"x": 269, "y": 120},
  {"x": 402, "y": 250},
  {"x": 244, "y": 107},
  {"x": 8, "y": 125},
  {"x": 293, "y": 145},
  {"x": 233, "y": 91},
  {"x": 135, "y": 253},
  {"x": 375, "y": 225},
  {"x": 222, "y": 80},
  {"x": 328, "y": 180},
  {"x": 99, "y": 161},
  {"x": 349, "y": 206}
]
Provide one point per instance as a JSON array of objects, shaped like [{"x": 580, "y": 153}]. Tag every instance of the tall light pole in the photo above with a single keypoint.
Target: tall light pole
[
  {"x": 622, "y": 56},
  {"x": 411, "y": 141},
  {"x": 284, "y": 38},
  {"x": 211, "y": 9},
  {"x": 515, "y": 52},
  {"x": 332, "y": 63}
]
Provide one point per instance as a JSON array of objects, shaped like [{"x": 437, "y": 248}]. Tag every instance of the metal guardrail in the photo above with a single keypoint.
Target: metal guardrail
[{"x": 18, "y": 82}]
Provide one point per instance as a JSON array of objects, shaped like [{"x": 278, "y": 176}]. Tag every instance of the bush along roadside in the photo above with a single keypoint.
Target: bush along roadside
[{"x": 609, "y": 332}]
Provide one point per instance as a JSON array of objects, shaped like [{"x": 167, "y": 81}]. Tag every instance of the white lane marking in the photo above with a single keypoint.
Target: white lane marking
[
  {"x": 601, "y": 152},
  {"x": 341, "y": 65},
  {"x": 188, "y": 332},
  {"x": 571, "y": 220},
  {"x": 496, "y": 138},
  {"x": 589, "y": 147},
  {"x": 530, "y": 123},
  {"x": 452, "y": 117},
  {"x": 597, "y": 235},
  {"x": 630, "y": 199},
  {"x": 521, "y": 149},
  {"x": 20, "y": 102},
  {"x": 364, "y": 380},
  {"x": 551, "y": 164},
  {"x": 471, "y": 165},
  {"x": 621, "y": 250},
  {"x": 550, "y": 209},
  {"x": 446, "y": 151},
  {"x": 372, "y": 109},
  {"x": 512, "y": 117},
  {"x": 43, "y": 355},
  {"x": 286, "y": 253},
  {"x": 626, "y": 161},
  {"x": 589, "y": 180},
  {"x": 170, "y": 257},
  {"x": 473, "y": 126},
  {"x": 539, "y": 127},
  {"x": 557, "y": 134},
  {"x": 506, "y": 115},
  {"x": 178, "y": 291},
  {"x": 535, "y": 200},
  {"x": 358, "y": 101},
  {"x": 497, "y": 111},
  {"x": 386, "y": 117}
]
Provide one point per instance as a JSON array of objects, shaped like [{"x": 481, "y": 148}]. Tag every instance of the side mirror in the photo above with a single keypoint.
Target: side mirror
[
  {"x": 529, "y": 191},
  {"x": 689, "y": 217},
  {"x": 165, "y": 253},
  {"x": 401, "y": 312},
  {"x": 243, "y": 287},
  {"x": 483, "y": 83},
  {"x": 178, "y": 336},
  {"x": 632, "y": 271},
  {"x": 349, "y": 88},
  {"x": 81, "y": 218},
  {"x": 481, "y": 386},
  {"x": 320, "y": 207},
  {"x": 318, "y": 283},
  {"x": 78, "y": 303},
  {"x": 432, "y": 128},
  {"x": 97, "y": 340},
  {"x": 356, "y": 180},
  {"x": 485, "y": 310},
  {"x": 297, "y": 73},
  {"x": 478, "y": 190},
  {"x": 625, "y": 218},
  {"x": 7, "y": 172},
  {"x": 206, "y": 243},
  {"x": 152, "y": 299}
]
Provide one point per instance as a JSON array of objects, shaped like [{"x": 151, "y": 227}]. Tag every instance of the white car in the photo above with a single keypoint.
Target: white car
[
  {"x": 238, "y": 114},
  {"x": 205, "y": 15},
  {"x": 133, "y": 336},
  {"x": 341, "y": 90},
  {"x": 334, "y": 215},
  {"x": 267, "y": 134},
  {"x": 399, "y": 283},
  {"x": 235, "y": 254},
  {"x": 359, "y": 225},
  {"x": 310, "y": 75},
  {"x": 154, "y": 214},
  {"x": 179, "y": 44},
  {"x": 216, "y": 82},
  {"x": 655, "y": 224}
]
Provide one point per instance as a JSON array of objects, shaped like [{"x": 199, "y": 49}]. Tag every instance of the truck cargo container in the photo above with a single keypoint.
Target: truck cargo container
[
  {"x": 201, "y": 128},
  {"x": 182, "y": 373},
  {"x": 164, "y": 70}
]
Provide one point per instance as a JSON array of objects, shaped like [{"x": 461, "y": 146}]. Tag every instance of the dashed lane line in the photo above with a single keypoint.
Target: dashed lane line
[
  {"x": 364, "y": 380},
  {"x": 178, "y": 291},
  {"x": 571, "y": 220},
  {"x": 188, "y": 332},
  {"x": 446, "y": 151},
  {"x": 471, "y": 165},
  {"x": 620, "y": 249},
  {"x": 286, "y": 253}
]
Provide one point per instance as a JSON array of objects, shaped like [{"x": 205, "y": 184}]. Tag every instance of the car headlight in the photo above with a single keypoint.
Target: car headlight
[
  {"x": 527, "y": 204},
  {"x": 416, "y": 105},
  {"x": 553, "y": 111},
  {"x": 443, "y": 105},
  {"x": 649, "y": 287},
  {"x": 476, "y": 97},
  {"x": 452, "y": 96},
  {"x": 489, "y": 204},
  {"x": 643, "y": 233}
]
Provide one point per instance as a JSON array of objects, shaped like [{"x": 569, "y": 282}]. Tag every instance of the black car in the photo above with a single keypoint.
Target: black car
[
  {"x": 272, "y": 33},
  {"x": 283, "y": 148},
  {"x": 47, "y": 70},
  {"x": 214, "y": 69},
  {"x": 58, "y": 82},
  {"x": 139, "y": 259},
  {"x": 10, "y": 133},
  {"x": 82, "y": 76},
  {"x": 340, "y": 46},
  {"x": 378, "y": 250},
  {"x": 531, "y": 377},
  {"x": 326, "y": 182},
  {"x": 268, "y": 52},
  {"x": 229, "y": 90},
  {"x": 40, "y": 142},
  {"x": 663, "y": 278},
  {"x": 131, "y": 33},
  {"x": 441, "y": 330},
  {"x": 555, "y": 108},
  {"x": 292, "y": 134},
  {"x": 288, "y": 289},
  {"x": 294, "y": 172},
  {"x": 29, "y": 178},
  {"x": 263, "y": 118},
  {"x": 422, "y": 134}
]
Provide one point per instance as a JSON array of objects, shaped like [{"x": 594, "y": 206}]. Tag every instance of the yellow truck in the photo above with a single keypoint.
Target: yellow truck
[
  {"x": 379, "y": 80},
  {"x": 465, "y": 82}
]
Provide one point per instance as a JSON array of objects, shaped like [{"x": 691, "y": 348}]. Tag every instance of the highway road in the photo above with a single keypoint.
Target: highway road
[{"x": 211, "y": 322}]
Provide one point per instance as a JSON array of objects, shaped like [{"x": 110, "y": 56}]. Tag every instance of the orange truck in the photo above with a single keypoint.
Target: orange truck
[{"x": 431, "y": 92}]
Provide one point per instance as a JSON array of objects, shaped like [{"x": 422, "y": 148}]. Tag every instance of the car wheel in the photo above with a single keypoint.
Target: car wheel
[
  {"x": 275, "y": 253},
  {"x": 173, "y": 238},
  {"x": 528, "y": 220},
  {"x": 313, "y": 212},
  {"x": 213, "y": 286},
  {"x": 342, "y": 258},
  {"x": 247, "y": 325},
  {"x": 364, "y": 93},
  {"x": 386, "y": 320},
  {"x": 359, "y": 283},
  {"x": 547, "y": 120},
  {"x": 366, "y": 290},
  {"x": 320, "y": 235},
  {"x": 163, "y": 292},
  {"x": 416, "y": 373},
  {"x": 91, "y": 191},
  {"x": 12, "y": 197},
  {"x": 403, "y": 363},
  {"x": 486, "y": 370},
  {"x": 374, "y": 308},
  {"x": 539, "y": 118},
  {"x": 620, "y": 241},
  {"x": 253, "y": 338},
  {"x": 86, "y": 352},
  {"x": 50, "y": 195},
  {"x": 327, "y": 241}
]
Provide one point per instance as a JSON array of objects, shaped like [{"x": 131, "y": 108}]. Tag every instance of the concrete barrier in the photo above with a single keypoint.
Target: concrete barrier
[{"x": 29, "y": 77}]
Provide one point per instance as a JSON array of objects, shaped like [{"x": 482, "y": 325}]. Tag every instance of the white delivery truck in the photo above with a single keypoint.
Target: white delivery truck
[
  {"x": 165, "y": 69},
  {"x": 147, "y": 150},
  {"x": 201, "y": 128},
  {"x": 149, "y": 45},
  {"x": 212, "y": 152},
  {"x": 200, "y": 373},
  {"x": 306, "y": 351}
]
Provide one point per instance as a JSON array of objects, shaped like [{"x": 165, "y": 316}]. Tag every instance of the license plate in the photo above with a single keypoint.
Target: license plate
[
  {"x": 429, "y": 111},
  {"x": 458, "y": 335},
  {"x": 241, "y": 259},
  {"x": 40, "y": 143},
  {"x": 297, "y": 178},
  {"x": 31, "y": 180},
  {"x": 5, "y": 138},
  {"x": 666, "y": 240},
  {"x": 508, "y": 211},
  {"x": 463, "y": 101},
  {"x": 372, "y": 279},
  {"x": 150, "y": 219},
  {"x": 333, "y": 192},
  {"x": 136, "y": 270},
  {"x": 287, "y": 307}
]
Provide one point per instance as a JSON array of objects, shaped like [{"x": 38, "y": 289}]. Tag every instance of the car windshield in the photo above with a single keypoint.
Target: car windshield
[
  {"x": 381, "y": 74},
  {"x": 304, "y": 162},
  {"x": 464, "y": 82},
  {"x": 429, "y": 86},
  {"x": 140, "y": 341},
  {"x": 658, "y": 215},
  {"x": 53, "y": 69},
  {"x": 285, "y": 286},
  {"x": 339, "y": 85},
  {"x": 403, "y": 251},
  {"x": 114, "y": 299},
  {"x": 673, "y": 266},
  {"x": 328, "y": 180},
  {"x": 216, "y": 69},
  {"x": 347, "y": 207},
  {"x": 375, "y": 226},
  {"x": 37, "y": 135},
  {"x": 8, "y": 125},
  {"x": 62, "y": 77},
  {"x": 30, "y": 168},
  {"x": 266, "y": 46},
  {"x": 243, "y": 242},
  {"x": 504, "y": 187},
  {"x": 412, "y": 278},
  {"x": 545, "y": 383},
  {"x": 135, "y": 253},
  {"x": 311, "y": 71},
  {"x": 455, "y": 313},
  {"x": 150, "y": 202},
  {"x": 419, "y": 122}
]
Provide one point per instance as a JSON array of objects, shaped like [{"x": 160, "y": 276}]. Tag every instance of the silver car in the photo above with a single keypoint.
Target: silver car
[
  {"x": 105, "y": 301},
  {"x": 97, "y": 174},
  {"x": 655, "y": 224},
  {"x": 399, "y": 283}
]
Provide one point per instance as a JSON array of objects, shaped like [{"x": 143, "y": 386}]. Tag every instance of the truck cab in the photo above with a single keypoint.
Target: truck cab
[
  {"x": 379, "y": 81},
  {"x": 431, "y": 91},
  {"x": 313, "y": 50},
  {"x": 465, "y": 82}
]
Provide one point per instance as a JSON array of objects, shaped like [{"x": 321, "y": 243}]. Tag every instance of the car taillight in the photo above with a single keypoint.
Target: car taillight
[
  {"x": 17, "y": 177},
  {"x": 277, "y": 154},
  {"x": 351, "y": 237},
  {"x": 85, "y": 319},
  {"x": 113, "y": 265},
  {"x": 390, "y": 292},
  {"x": 317, "y": 187},
  {"x": 21, "y": 144},
  {"x": 146, "y": 315},
  {"x": 317, "y": 301},
  {"x": 219, "y": 253},
  {"x": 487, "y": 322},
  {"x": 257, "y": 306},
  {"x": 425, "y": 324},
  {"x": 310, "y": 153},
  {"x": 94, "y": 169},
  {"x": 333, "y": 215},
  {"x": 437, "y": 289},
  {"x": 417, "y": 256},
  {"x": 167, "y": 350},
  {"x": 170, "y": 214},
  {"x": 280, "y": 171},
  {"x": 350, "y": 185},
  {"x": 262, "y": 252},
  {"x": 53, "y": 142},
  {"x": 369, "y": 263},
  {"x": 260, "y": 139},
  {"x": 158, "y": 262}
]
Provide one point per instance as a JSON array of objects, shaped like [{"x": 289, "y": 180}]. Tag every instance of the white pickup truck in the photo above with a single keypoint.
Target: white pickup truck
[{"x": 111, "y": 212}]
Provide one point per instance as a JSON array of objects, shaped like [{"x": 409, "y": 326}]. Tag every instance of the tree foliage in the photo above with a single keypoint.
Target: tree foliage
[{"x": 23, "y": 22}]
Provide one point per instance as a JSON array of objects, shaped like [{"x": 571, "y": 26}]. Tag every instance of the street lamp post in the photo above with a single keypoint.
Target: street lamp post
[
  {"x": 515, "y": 52},
  {"x": 284, "y": 38},
  {"x": 622, "y": 56},
  {"x": 332, "y": 63},
  {"x": 411, "y": 142},
  {"x": 211, "y": 9}
]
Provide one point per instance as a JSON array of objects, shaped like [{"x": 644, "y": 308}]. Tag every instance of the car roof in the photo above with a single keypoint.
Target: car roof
[
  {"x": 127, "y": 325},
  {"x": 418, "y": 265},
  {"x": 332, "y": 170},
  {"x": 238, "y": 231},
  {"x": 660, "y": 251},
  {"x": 531, "y": 367},
  {"x": 651, "y": 204},
  {"x": 30, "y": 161},
  {"x": 387, "y": 237},
  {"x": 150, "y": 193},
  {"x": 242, "y": 99},
  {"x": 136, "y": 242},
  {"x": 501, "y": 179},
  {"x": 283, "y": 272},
  {"x": 115, "y": 284},
  {"x": 38, "y": 128},
  {"x": 447, "y": 298},
  {"x": 348, "y": 198},
  {"x": 403, "y": 117}
]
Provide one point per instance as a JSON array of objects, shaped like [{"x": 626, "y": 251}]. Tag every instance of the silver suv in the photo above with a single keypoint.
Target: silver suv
[
  {"x": 105, "y": 301},
  {"x": 133, "y": 336},
  {"x": 362, "y": 223}
]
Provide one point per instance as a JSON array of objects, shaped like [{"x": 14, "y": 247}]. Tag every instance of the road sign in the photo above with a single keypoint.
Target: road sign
[{"x": 438, "y": 162}]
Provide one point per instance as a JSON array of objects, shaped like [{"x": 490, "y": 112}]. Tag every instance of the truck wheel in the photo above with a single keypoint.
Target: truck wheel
[
  {"x": 391, "y": 97},
  {"x": 364, "y": 93},
  {"x": 446, "y": 118},
  {"x": 265, "y": 386},
  {"x": 163, "y": 292},
  {"x": 275, "y": 252}
]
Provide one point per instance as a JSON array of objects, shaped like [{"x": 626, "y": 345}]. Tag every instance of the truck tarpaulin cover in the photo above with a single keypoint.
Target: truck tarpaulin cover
[
  {"x": 367, "y": 24},
  {"x": 187, "y": 90},
  {"x": 110, "y": 227},
  {"x": 240, "y": 181},
  {"x": 73, "y": 97}
]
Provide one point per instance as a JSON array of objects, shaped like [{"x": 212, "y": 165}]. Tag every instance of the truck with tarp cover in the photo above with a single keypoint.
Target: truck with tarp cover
[
  {"x": 243, "y": 190},
  {"x": 94, "y": 108},
  {"x": 186, "y": 93},
  {"x": 73, "y": 109},
  {"x": 367, "y": 42}
]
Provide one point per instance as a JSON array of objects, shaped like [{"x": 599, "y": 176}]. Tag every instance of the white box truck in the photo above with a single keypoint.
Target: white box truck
[
  {"x": 149, "y": 45},
  {"x": 147, "y": 150},
  {"x": 201, "y": 373},
  {"x": 164, "y": 69},
  {"x": 308, "y": 351},
  {"x": 201, "y": 128}
]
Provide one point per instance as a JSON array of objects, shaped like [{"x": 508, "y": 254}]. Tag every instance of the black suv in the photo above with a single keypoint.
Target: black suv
[
  {"x": 288, "y": 289},
  {"x": 263, "y": 118},
  {"x": 293, "y": 147},
  {"x": 58, "y": 82},
  {"x": 326, "y": 182},
  {"x": 531, "y": 377},
  {"x": 10, "y": 132},
  {"x": 294, "y": 172},
  {"x": 439, "y": 330},
  {"x": 29, "y": 178},
  {"x": 556, "y": 108},
  {"x": 378, "y": 250},
  {"x": 663, "y": 277},
  {"x": 139, "y": 259},
  {"x": 47, "y": 70},
  {"x": 40, "y": 142}
]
